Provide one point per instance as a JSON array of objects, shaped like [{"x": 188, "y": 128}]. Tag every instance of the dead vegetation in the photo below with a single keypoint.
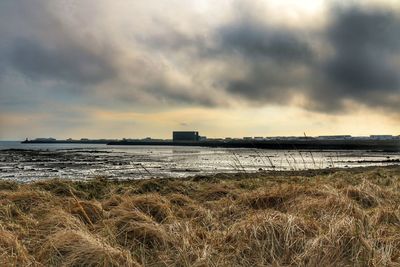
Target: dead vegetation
[{"x": 336, "y": 218}]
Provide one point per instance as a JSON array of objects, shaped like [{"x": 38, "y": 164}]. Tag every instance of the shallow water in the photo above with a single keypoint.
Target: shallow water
[{"x": 82, "y": 161}]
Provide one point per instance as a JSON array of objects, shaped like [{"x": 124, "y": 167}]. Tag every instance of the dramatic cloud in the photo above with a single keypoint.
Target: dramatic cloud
[
  {"x": 259, "y": 41},
  {"x": 360, "y": 63},
  {"x": 67, "y": 62},
  {"x": 272, "y": 61},
  {"x": 154, "y": 56},
  {"x": 365, "y": 62}
]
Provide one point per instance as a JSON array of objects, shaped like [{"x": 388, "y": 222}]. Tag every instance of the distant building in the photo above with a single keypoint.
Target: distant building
[
  {"x": 45, "y": 139},
  {"x": 247, "y": 138},
  {"x": 179, "y": 136},
  {"x": 215, "y": 139},
  {"x": 202, "y": 138},
  {"x": 258, "y": 138},
  {"x": 360, "y": 137},
  {"x": 289, "y": 138},
  {"x": 381, "y": 137},
  {"x": 334, "y": 137}
]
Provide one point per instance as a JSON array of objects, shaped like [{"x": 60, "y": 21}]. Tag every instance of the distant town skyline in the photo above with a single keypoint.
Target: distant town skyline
[
  {"x": 229, "y": 68},
  {"x": 195, "y": 136}
]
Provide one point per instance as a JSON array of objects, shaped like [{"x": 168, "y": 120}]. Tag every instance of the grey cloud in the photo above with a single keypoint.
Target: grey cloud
[
  {"x": 39, "y": 46},
  {"x": 68, "y": 62},
  {"x": 247, "y": 59},
  {"x": 164, "y": 92},
  {"x": 172, "y": 39},
  {"x": 265, "y": 83},
  {"x": 364, "y": 42},
  {"x": 271, "y": 60},
  {"x": 260, "y": 41},
  {"x": 279, "y": 63},
  {"x": 51, "y": 54}
]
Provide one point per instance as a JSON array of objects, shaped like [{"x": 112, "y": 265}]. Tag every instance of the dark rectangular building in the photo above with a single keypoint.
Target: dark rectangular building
[{"x": 185, "y": 136}]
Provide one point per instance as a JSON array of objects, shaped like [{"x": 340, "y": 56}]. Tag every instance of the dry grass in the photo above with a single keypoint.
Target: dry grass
[
  {"x": 12, "y": 252},
  {"x": 327, "y": 218},
  {"x": 79, "y": 248}
]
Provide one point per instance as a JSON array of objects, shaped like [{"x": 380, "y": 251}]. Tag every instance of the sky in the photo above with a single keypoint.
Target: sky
[{"x": 227, "y": 68}]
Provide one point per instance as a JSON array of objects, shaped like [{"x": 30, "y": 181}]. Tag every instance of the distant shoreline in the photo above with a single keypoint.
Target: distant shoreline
[
  {"x": 66, "y": 142},
  {"x": 306, "y": 143}
]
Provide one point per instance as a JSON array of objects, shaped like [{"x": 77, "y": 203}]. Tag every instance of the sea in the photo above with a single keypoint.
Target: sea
[{"x": 30, "y": 162}]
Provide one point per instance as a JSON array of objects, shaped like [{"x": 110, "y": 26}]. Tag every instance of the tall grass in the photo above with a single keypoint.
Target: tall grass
[{"x": 305, "y": 218}]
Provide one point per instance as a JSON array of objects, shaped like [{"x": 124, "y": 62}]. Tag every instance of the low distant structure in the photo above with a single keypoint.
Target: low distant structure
[
  {"x": 49, "y": 139},
  {"x": 286, "y": 138},
  {"x": 202, "y": 138},
  {"x": 334, "y": 137},
  {"x": 182, "y": 136},
  {"x": 192, "y": 138},
  {"x": 360, "y": 138},
  {"x": 381, "y": 137}
]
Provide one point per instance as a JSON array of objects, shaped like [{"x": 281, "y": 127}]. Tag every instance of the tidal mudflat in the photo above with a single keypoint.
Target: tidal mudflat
[{"x": 30, "y": 163}]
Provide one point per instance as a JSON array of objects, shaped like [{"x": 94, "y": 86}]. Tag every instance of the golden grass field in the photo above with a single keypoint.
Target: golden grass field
[{"x": 309, "y": 218}]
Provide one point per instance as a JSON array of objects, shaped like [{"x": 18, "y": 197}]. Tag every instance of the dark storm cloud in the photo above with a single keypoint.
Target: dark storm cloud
[
  {"x": 40, "y": 51},
  {"x": 67, "y": 62},
  {"x": 259, "y": 41},
  {"x": 278, "y": 63},
  {"x": 264, "y": 83},
  {"x": 269, "y": 57},
  {"x": 366, "y": 43}
]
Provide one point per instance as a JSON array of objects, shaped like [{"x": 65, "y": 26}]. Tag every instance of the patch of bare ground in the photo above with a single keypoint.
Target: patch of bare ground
[{"x": 314, "y": 218}]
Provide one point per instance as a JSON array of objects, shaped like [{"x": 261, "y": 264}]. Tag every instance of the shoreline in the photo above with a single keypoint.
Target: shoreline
[
  {"x": 264, "y": 174},
  {"x": 302, "y": 143},
  {"x": 341, "y": 217},
  {"x": 77, "y": 163}
]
